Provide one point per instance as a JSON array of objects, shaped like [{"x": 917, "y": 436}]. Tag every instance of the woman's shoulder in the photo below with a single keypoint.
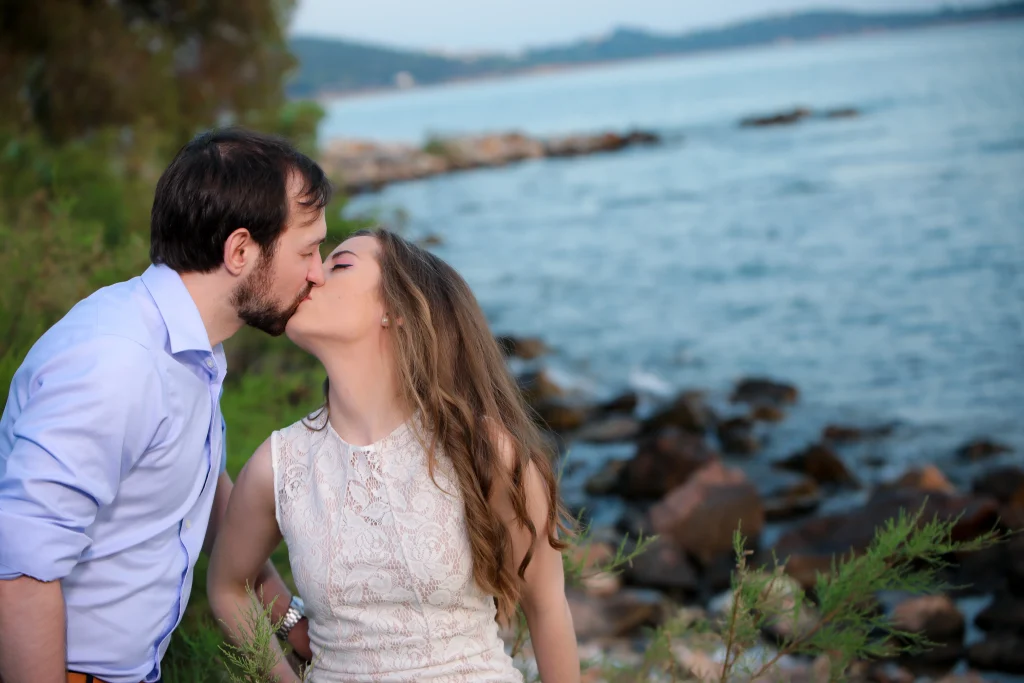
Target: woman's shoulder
[{"x": 299, "y": 438}]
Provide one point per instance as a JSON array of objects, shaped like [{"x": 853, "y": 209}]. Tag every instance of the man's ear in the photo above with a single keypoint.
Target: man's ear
[{"x": 239, "y": 251}]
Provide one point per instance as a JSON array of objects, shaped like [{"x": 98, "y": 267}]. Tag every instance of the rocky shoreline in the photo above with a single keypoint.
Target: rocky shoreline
[
  {"x": 689, "y": 480},
  {"x": 366, "y": 166}
]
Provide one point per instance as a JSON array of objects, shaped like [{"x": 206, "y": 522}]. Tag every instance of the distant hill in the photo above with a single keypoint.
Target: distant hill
[{"x": 329, "y": 66}]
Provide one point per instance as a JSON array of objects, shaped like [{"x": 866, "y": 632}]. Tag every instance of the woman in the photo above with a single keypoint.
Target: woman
[{"x": 418, "y": 505}]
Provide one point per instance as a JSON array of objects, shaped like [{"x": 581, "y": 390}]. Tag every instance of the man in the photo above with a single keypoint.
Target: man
[{"x": 112, "y": 442}]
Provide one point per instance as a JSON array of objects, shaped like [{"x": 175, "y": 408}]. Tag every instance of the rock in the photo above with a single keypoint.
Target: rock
[
  {"x": 1015, "y": 568},
  {"x": 889, "y": 672},
  {"x": 1005, "y": 484},
  {"x": 848, "y": 434},
  {"x": 1004, "y": 613},
  {"x": 591, "y": 558},
  {"x": 701, "y": 515},
  {"x": 842, "y": 113},
  {"x": 999, "y": 652},
  {"x": 626, "y": 403},
  {"x": 635, "y": 521},
  {"x": 939, "y": 621},
  {"x": 663, "y": 566},
  {"x": 605, "y": 481},
  {"x": 538, "y": 386},
  {"x": 561, "y": 415},
  {"x": 759, "y": 391},
  {"x": 822, "y": 464},
  {"x": 578, "y": 145},
  {"x": 430, "y": 240},
  {"x": 787, "y": 494},
  {"x": 688, "y": 411},
  {"x": 810, "y": 546},
  {"x": 927, "y": 478},
  {"x": 780, "y": 598},
  {"x": 979, "y": 572},
  {"x": 615, "y": 616},
  {"x": 981, "y": 449},
  {"x": 767, "y": 413},
  {"x": 609, "y": 430},
  {"x": 664, "y": 461},
  {"x": 779, "y": 119},
  {"x": 737, "y": 436},
  {"x": 526, "y": 348}
]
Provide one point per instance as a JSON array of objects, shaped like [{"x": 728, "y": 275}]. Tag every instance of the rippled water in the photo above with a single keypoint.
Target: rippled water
[{"x": 876, "y": 262}]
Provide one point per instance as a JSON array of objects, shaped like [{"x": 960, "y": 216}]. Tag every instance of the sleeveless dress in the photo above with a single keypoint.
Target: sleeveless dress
[{"x": 381, "y": 557}]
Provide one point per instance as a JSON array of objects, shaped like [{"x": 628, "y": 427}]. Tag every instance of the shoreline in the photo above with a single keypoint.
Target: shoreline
[{"x": 325, "y": 98}]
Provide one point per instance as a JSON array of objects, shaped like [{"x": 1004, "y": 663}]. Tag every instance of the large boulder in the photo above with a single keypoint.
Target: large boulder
[
  {"x": 663, "y": 566},
  {"x": 981, "y": 449},
  {"x": 821, "y": 464},
  {"x": 1004, "y": 613},
  {"x": 736, "y": 436},
  {"x": 609, "y": 429},
  {"x": 786, "y": 494},
  {"x": 688, "y": 412},
  {"x": 760, "y": 391},
  {"x": 527, "y": 348},
  {"x": 619, "y": 615},
  {"x": 937, "y": 618},
  {"x": 702, "y": 515},
  {"x": 664, "y": 461},
  {"x": 810, "y": 547},
  {"x": 999, "y": 652}
]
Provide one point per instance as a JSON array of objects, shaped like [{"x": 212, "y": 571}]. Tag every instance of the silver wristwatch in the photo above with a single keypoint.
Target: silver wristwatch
[{"x": 296, "y": 610}]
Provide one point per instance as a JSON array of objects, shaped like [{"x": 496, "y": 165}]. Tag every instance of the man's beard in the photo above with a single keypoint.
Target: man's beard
[{"x": 255, "y": 304}]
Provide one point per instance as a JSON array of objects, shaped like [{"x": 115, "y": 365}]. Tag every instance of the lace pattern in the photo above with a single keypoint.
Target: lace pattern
[{"x": 381, "y": 558}]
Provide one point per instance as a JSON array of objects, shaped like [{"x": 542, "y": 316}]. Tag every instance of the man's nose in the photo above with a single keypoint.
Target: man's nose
[{"x": 315, "y": 276}]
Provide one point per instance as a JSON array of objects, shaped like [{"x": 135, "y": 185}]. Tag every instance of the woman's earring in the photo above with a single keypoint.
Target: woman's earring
[{"x": 384, "y": 321}]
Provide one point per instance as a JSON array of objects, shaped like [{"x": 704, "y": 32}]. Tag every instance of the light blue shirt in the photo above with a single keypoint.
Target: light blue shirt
[{"x": 110, "y": 449}]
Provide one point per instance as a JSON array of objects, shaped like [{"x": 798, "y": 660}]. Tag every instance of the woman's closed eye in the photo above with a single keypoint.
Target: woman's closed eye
[{"x": 341, "y": 265}]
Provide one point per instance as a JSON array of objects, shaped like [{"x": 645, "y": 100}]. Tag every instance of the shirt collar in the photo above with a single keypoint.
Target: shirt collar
[{"x": 185, "y": 327}]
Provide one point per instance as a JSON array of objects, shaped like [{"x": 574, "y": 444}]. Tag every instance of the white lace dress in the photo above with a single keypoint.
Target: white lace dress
[{"x": 381, "y": 557}]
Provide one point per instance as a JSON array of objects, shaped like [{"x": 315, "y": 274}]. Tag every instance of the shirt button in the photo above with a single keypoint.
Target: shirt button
[
  {"x": 209, "y": 362},
  {"x": 188, "y": 523}
]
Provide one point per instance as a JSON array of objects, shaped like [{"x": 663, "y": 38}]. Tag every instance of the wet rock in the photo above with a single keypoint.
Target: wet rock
[
  {"x": 999, "y": 652},
  {"x": 538, "y": 386},
  {"x": 526, "y": 348},
  {"x": 737, "y": 436},
  {"x": 842, "y": 113},
  {"x": 927, "y": 478},
  {"x": 1004, "y": 613},
  {"x": 615, "y": 616},
  {"x": 810, "y": 546},
  {"x": 981, "y": 449},
  {"x": 579, "y": 145},
  {"x": 979, "y": 572},
  {"x": 430, "y": 240},
  {"x": 939, "y": 621},
  {"x": 787, "y": 494},
  {"x": 780, "y": 119},
  {"x": 561, "y": 415},
  {"x": 635, "y": 521},
  {"x": 822, "y": 464},
  {"x": 663, "y": 566},
  {"x": 848, "y": 434},
  {"x": 780, "y": 598},
  {"x": 767, "y": 413},
  {"x": 605, "y": 481},
  {"x": 760, "y": 391},
  {"x": 1005, "y": 484},
  {"x": 1015, "y": 565},
  {"x": 688, "y": 412},
  {"x": 701, "y": 516},
  {"x": 664, "y": 461},
  {"x": 619, "y": 428},
  {"x": 888, "y": 672},
  {"x": 626, "y": 403}
]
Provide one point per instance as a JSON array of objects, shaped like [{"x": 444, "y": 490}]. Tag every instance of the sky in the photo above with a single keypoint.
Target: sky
[{"x": 508, "y": 25}]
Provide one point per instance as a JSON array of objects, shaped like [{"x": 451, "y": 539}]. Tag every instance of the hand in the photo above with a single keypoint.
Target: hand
[{"x": 298, "y": 638}]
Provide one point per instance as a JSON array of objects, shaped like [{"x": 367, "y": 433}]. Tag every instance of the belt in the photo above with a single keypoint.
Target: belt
[{"x": 75, "y": 677}]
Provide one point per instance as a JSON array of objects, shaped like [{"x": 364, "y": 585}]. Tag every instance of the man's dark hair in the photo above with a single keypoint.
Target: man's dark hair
[{"x": 224, "y": 180}]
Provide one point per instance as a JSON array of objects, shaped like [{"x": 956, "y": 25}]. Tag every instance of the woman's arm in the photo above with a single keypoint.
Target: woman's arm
[
  {"x": 247, "y": 536},
  {"x": 543, "y": 589}
]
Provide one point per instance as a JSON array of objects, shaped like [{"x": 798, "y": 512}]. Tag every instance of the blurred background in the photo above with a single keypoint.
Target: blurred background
[{"x": 783, "y": 235}]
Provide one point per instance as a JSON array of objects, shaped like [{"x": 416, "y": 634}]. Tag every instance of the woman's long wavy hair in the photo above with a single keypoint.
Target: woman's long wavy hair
[{"x": 452, "y": 372}]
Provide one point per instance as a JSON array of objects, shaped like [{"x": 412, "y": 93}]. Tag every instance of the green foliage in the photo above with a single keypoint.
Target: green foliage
[{"x": 252, "y": 658}]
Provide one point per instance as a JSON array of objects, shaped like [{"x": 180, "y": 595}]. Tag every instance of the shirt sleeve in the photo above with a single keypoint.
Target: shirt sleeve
[{"x": 91, "y": 414}]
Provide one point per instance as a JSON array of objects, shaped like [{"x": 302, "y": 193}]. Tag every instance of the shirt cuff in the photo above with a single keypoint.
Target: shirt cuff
[{"x": 32, "y": 547}]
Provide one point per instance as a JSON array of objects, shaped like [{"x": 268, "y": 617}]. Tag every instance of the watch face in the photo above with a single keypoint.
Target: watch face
[{"x": 298, "y": 604}]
